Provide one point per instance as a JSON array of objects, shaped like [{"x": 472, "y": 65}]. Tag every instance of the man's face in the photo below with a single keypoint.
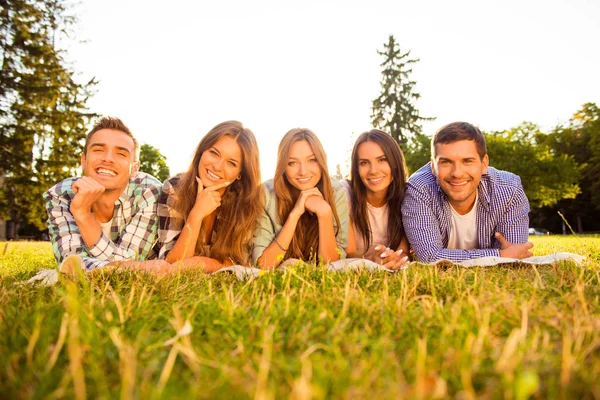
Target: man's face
[
  {"x": 458, "y": 169},
  {"x": 110, "y": 159}
]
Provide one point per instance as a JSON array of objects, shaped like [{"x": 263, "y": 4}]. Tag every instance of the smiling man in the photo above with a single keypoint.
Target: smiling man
[
  {"x": 457, "y": 207},
  {"x": 107, "y": 216}
]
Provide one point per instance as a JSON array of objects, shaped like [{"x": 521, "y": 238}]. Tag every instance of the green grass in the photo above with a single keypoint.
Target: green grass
[{"x": 427, "y": 332}]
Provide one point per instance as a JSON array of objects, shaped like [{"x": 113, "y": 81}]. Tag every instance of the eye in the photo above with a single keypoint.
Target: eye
[
  {"x": 312, "y": 160},
  {"x": 122, "y": 154},
  {"x": 363, "y": 163},
  {"x": 383, "y": 160},
  {"x": 443, "y": 162},
  {"x": 233, "y": 164},
  {"x": 213, "y": 152},
  {"x": 98, "y": 150},
  {"x": 292, "y": 163},
  {"x": 469, "y": 161}
]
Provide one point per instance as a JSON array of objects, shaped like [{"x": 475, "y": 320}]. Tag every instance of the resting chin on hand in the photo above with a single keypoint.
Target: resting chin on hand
[{"x": 87, "y": 192}]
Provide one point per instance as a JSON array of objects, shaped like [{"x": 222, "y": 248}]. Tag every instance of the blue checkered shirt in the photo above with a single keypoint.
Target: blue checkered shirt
[
  {"x": 502, "y": 206},
  {"x": 133, "y": 226}
]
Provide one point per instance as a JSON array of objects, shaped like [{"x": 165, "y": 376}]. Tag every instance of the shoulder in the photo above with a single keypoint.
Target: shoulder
[
  {"x": 63, "y": 189},
  {"x": 170, "y": 184},
  {"x": 499, "y": 178},
  {"x": 269, "y": 188},
  {"x": 423, "y": 180},
  {"x": 144, "y": 185},
  {"x": 337, "y": 187}
]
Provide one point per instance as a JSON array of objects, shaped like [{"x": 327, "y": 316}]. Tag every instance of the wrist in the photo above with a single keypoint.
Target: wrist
[
  {"x": 325, "y": 213},
  {"x": 82, "y": 215}
]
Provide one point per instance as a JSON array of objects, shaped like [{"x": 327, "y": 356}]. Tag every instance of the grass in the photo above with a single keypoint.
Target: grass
[{"x": 426, "y": 332}]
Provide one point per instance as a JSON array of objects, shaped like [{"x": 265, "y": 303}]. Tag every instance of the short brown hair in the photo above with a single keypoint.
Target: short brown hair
[
  {"x": 457, "y": 131},
  {"x": 113, "y": 123}
]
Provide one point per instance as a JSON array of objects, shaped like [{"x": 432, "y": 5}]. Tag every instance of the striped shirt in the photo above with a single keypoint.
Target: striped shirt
[
  {"x": 133, "y": 227},
  {"x": 502, "y": 206}
]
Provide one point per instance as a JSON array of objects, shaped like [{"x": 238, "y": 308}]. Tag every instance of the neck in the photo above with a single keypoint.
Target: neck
[
  {"x": 104, "y": 207},
  {"x": 376, "y": 199}
]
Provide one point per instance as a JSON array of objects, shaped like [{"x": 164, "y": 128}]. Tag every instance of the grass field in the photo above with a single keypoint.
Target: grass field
[{"x": 427, "y": 332}]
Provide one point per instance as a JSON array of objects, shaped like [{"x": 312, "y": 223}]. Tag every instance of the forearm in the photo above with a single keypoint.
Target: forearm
[
  {"x": 328, "y": 250},
  {"x": 186, "y": 242},
  {"x": 89, "y": 228},
  {"x": 207, "y": 264},
  {"x": 273, "y": 253}
]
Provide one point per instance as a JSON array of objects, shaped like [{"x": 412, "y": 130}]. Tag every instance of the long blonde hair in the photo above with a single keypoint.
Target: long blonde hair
[
  {"x": 305, "y": 242},
  {"x": 241, "y": 204}
]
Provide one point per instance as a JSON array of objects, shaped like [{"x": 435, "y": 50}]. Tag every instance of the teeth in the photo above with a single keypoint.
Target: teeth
[
  {"x": 212, "y": 176},
  {"x": 303, "y": 179},
  {"x": 459, "y": 184},
  {"x": 376, "y": 180},
  {"x": 106, "y": 172}
]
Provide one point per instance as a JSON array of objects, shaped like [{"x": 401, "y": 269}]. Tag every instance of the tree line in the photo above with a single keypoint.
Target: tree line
[{"x": 44, "y": 118}]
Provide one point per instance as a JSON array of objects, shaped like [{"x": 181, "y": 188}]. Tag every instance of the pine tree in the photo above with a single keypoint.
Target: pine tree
[
  {"x": 394, "y": 111},
  {"x": 43, "y": 113},
  {"x": 153, "y": 162}
]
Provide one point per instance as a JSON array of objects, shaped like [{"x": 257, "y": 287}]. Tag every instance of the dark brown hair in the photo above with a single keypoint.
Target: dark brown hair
[
  {"x": 305, "y": 242},
  {"x": 457, "y": 131},
  {"x": 113, "y": 123},
  {"x": 241, "y": 204},
  {"x": 394, "y": 195}
]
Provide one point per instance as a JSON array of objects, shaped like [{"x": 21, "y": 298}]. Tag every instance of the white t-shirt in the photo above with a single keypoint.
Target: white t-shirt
[
  {"x": 463, "y": 234},
  {"x": 106, "y": 227},
  {"x": 378, "y": 220}
]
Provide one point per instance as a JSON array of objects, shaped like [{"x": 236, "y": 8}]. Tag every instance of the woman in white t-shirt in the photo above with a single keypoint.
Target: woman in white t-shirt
[{"x": 375, "y": 193}]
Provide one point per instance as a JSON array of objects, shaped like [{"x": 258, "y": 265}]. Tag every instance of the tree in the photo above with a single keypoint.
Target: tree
[
  {"x": 547, "y": 178},
  {"x": 394, "y": 111},
  {"x": 43, "y": 113},
  {"x": 580, "y": 139},
  {"x": 153, "y": 162}
]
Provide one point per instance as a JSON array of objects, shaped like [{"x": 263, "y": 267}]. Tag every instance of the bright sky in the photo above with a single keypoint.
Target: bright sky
[{"x": 172, "y": 70}]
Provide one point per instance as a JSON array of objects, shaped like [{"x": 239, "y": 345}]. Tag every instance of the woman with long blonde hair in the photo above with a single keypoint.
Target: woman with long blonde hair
[
  {"x": 305, "y": 212},
  {"x": 208, "y": 214}
]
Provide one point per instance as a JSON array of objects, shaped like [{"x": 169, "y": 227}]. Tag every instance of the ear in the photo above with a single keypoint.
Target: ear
[
  {"x": 239, "y": 177},
  {"x": 135, "y": 167},
  {"x": 486, "y": 163},
  {"x": 433, "y": 171},
  {"x": 82, "y": 161}
]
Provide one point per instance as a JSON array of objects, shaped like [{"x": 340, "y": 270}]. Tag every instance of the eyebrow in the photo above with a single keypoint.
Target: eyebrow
[
  {"x": 104, "y": 145},
  {"x": 294, "y": 158},
  {"x": 230, "y": 159}
]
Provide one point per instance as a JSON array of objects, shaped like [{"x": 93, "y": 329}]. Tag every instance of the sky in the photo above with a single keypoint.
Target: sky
[{"x": 173, "y": 70}]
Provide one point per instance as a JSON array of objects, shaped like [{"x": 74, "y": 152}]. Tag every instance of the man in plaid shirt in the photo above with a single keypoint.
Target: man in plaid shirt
[
  {"x": 457, "y": 207},
  {"x": 108, "y": 216}
]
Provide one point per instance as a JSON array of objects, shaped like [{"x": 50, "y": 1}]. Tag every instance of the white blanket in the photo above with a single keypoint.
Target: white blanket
[{"x": 49, "y": 277}]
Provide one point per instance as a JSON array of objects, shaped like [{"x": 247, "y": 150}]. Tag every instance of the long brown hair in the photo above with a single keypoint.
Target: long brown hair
[
  {"x": 240, "y": 205},
  {"x": 394, "y": 195},
  {"x": 305, "y": 242}
]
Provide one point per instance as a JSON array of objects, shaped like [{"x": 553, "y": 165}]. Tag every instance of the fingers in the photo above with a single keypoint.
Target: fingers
[
  {"x": 502, "y": 240},
  {"x": 200, "y": 185}
]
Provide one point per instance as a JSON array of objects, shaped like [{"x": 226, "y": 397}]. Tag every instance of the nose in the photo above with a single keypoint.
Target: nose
[
  {"x": 301, "y": 169},
  {"x": 218, "y": 164},
  {"x": 372, "y": 168},
  {"x": 109, "y": 156},
  {"x": 457, "y": 169}
]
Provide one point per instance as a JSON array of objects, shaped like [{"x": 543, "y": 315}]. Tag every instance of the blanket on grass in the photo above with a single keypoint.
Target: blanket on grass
[{"x": 49, "y": 277}]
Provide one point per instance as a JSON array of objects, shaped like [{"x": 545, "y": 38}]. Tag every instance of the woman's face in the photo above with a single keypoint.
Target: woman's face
[
  {"x": 220, "y": 163},
  {"x": 302, "y": 170},
  {"x": 373, "y": 168}
]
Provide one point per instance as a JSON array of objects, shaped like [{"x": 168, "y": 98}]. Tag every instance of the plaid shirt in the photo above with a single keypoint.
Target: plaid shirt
[
  {"x": 170, "y": 222},
  {"x": 501, "y": 207},
  {"x": 133, "y": 227}
]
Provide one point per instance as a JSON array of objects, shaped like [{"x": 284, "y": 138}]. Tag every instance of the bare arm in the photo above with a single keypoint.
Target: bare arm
[{"x": 327, "y": 240}]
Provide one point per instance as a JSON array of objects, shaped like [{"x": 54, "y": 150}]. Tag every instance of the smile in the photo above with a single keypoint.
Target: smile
[
  {"x": 212, "y": 176},
  {"x": 458, "y": 183},
  {"x": 375, "y": 181},
  {"x": 106, "y": 172},
  {"x": 303, "y": 180}
]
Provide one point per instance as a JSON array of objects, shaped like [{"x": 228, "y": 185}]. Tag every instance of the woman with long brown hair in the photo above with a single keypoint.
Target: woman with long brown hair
[
  {"x": 305, "y": 213},
  {"x": 207, "y": 215},
  {"x": 376, "y": 190}
]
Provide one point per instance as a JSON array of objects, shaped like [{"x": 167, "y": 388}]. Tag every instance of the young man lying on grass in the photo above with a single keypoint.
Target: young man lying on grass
[
  {"x": 457, "y": 207},
  {"x": 107, "y": 216}
]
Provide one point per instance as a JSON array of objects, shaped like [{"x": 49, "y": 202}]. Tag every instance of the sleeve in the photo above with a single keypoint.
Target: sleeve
[
  {"x": 514, "y": 223},
  {"x": 265, "y": 231},
  {"x": 170, "y": 222},
  {"x": 64, "y": 234},
  {"x": 341, "y": 205},
  {"x": 424, "y": 234},
  {"x": 139, "y": 236}
]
